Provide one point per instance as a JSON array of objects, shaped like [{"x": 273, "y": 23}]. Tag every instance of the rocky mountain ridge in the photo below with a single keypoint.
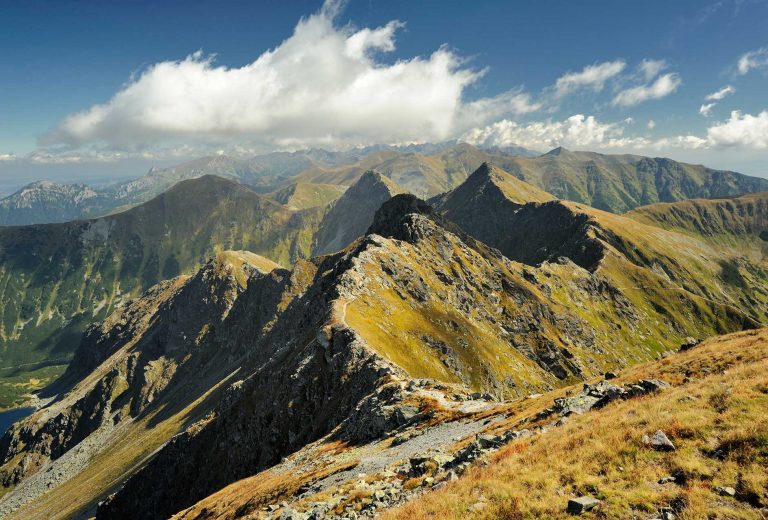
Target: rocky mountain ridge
[
  {"x": 46, "y": 201},
  {"x": 330, "y": 349},
  {"x": 57, "y": 278}
]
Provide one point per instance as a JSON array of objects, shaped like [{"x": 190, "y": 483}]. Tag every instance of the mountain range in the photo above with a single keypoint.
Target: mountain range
[
  {"x": 615, "y": 183},
  {"x": 243, "y": 387}
]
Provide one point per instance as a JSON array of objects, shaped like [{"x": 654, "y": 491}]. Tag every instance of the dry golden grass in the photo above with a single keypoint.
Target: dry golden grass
[
  {"x": 719, "y": 403},
  {"x": 246, "y": 496}
]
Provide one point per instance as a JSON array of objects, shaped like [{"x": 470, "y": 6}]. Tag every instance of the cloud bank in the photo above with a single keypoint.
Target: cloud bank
[
  {"x": 584, "y": 132},
  {"x": 578, "y": 131}
]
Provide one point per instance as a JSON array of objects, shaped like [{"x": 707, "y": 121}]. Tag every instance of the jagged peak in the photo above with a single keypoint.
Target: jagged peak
[
  {"x": 371, "y": 179},
  {"x": 512, "y": 188},
  {"x": 389, "y": 218}
]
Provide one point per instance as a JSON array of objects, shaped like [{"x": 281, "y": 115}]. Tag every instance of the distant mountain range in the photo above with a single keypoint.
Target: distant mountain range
[{"x": 616, "y": 183}]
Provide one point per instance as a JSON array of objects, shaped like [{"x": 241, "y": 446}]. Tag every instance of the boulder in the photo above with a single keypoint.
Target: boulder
[
  {"x": 577, "y": 506},
  {"x": 689, "y": 343},
  {"x": 653, "y": 385},
  {"x": 659, "y": 441},
  {"x": 487, "y": 442},
  {"x": 726, "y": 491}
]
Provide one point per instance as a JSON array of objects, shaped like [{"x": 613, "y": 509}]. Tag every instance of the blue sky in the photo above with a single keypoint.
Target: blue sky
[{"x": 111, "y": 87}]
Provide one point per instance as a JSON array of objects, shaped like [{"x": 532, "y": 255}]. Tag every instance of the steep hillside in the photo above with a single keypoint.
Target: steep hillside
[
  {"x": 336, "y": 348},
  {"x": 57, "y": 278},
  {"x": 530, "y": 458},
  {"x": 717, "y": 467},
  {"x": 619, "y": 183},
  {"x": 349, "y": 216},
  {"x": 42, "y": 202},
  {"x": 150, "y": 368},
  {"x": 303, "y": 195},
  {"x": 486, "y": 201},
  {"x": 648, "y": 263},
  {"x": 714, "y": 219}
]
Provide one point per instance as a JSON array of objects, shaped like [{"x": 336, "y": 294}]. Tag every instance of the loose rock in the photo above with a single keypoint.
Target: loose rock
[{"x": 577, "y": 506}]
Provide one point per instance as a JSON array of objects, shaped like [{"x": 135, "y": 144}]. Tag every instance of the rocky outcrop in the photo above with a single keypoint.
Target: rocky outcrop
[{"x": 125, "y": 365}]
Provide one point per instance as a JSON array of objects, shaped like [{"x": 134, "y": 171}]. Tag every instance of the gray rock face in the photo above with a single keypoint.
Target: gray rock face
[{"x": 45, "y": 202}]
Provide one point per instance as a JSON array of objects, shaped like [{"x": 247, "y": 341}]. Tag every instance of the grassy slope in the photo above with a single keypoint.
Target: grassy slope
[
  {"x": 56, "y": 279},
  {"x": 718, "y": 402},
  {"x": 303, "y": 195},
  {"x": 710, "y": 272},
  {"x": 735, "y": 222}
]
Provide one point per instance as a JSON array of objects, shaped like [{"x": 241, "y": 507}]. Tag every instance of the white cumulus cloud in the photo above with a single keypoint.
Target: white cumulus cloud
[
  {"x": 661, "y": 87},
  {"x": 743, "y": 130},
  {"x": 592, "y": 77},
  {"x": 757, "y": 59},
  {"x": 578, "y": 131},
  {"x": 323, "y": 86}
]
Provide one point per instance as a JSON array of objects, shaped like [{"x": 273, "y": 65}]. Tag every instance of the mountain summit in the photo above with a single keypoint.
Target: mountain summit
[{"x": 349, "y": 216}]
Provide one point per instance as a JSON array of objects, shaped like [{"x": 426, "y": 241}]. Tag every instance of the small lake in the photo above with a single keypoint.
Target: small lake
[{"x": 11, "y": 416}]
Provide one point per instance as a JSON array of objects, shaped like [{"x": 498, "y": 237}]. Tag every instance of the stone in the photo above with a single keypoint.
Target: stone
[
  {"x": 653, "y": 385},
  {"x": 487, "y": 442},
  {"x": 577, "y": 506},
  {"x": 659, "y": 441},
  {"x": 421, "y": 464},
  {"x": 726, "y": 491},
  {"x": 689, "y": 343},
  {"x": 665, "y": 513},
  {"x": 578, "y": 404},
  {"x": 610, "y": 375}
]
